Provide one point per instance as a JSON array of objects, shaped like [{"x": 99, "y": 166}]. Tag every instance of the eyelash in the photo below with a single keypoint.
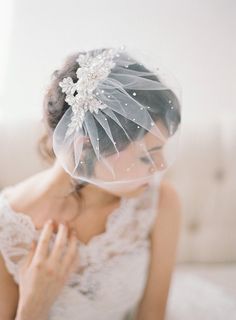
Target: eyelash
[{"x": 145, "y": 160}]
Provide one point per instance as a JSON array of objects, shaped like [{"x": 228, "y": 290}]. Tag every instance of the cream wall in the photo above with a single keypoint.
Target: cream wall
[{"x": 195, "y": 40}]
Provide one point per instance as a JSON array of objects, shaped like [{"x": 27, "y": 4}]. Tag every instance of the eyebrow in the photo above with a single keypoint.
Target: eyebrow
[{"x": 155, "y": 148}]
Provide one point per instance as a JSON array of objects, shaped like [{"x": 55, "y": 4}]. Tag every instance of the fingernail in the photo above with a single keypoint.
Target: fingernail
[{"x": 62, "y": 225}]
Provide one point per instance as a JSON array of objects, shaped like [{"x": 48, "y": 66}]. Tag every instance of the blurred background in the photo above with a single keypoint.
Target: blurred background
[{"x": 195, "y": 40}]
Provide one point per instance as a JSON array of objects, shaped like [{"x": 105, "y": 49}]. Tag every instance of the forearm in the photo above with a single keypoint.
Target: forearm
[
  {"x": 150, "y": 314},
  {"x": 150, "y": 317}
]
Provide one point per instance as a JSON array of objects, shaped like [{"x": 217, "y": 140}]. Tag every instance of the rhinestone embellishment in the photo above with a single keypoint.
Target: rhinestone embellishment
[{"x": 91, "y": 70}]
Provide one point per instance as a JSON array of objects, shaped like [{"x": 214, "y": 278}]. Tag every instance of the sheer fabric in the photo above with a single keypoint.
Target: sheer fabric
[{"x": 113, "y": 268}]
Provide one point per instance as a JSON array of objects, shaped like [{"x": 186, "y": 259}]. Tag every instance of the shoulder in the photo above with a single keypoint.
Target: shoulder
[
  {"x": 20, "y": 194},
  {"x": 168, "y": 196},
  {"x": 169, "y": 208},
  {"x": 15, "y": 201}
]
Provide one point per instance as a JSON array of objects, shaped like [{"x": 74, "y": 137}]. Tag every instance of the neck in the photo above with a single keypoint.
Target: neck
[{"x": 58, "y": 184}]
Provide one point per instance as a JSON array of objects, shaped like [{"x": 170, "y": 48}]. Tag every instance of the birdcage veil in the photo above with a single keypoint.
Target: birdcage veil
[{"x": 121, "y": 105}]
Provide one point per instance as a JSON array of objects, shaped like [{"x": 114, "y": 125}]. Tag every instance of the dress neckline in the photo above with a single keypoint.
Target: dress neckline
[{"x": 124, "y": 203}]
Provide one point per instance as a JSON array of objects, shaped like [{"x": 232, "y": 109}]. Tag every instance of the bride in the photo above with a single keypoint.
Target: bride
[{"x": 95, "y": 235}]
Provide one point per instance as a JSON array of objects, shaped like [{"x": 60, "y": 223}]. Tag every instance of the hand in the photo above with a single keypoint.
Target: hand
[{"x": 43, "y": 274}]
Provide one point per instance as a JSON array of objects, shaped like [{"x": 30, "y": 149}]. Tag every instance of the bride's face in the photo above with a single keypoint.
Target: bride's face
[{"x": 135, "y": 165}]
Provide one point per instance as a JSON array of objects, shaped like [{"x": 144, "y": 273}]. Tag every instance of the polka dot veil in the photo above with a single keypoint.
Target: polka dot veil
[{"x": 122, "y": 126}]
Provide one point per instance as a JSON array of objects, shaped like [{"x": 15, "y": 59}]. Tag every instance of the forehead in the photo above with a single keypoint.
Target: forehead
[
  {"x": 151, "y": 140},
  {"x": 148, "y": 141}
]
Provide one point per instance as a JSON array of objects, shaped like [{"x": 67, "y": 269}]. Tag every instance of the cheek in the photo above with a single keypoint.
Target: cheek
[
  {"x": 124, "y": 165},
  {"x": 132, "y": 168},
  {"x": 159, "y": 160}
]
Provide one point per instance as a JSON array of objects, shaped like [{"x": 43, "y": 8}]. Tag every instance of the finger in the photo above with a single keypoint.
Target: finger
[
  {"x": 43, "y": 243},
  {"x": 69, "y": 259},
  {"x": 59, "y": 244}
]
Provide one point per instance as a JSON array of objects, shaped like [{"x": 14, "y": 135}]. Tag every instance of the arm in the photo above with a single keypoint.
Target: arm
[
  {"x": 9, "y": 297},
  {"x": 164, "y": 240},
  {"x": 8, "y": 293}
]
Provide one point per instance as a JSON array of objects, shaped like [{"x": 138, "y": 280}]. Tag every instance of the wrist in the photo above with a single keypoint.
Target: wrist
[{"x": 26, "y": 313}]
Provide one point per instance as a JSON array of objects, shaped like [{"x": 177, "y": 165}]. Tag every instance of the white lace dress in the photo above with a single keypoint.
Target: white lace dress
[{"x": 113, "y": 268}]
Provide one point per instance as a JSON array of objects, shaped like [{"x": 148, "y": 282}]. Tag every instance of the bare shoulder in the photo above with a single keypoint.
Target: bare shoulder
[
  {"x": 169, "y": 199},
  {"x": 168, "y": 193},
  {"x": 21, "y": 194},
  {"x": 169, "y": 209}
]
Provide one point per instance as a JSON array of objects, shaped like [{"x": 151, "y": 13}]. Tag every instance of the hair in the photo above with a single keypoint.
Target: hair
[{"x": 54, "y": 107}]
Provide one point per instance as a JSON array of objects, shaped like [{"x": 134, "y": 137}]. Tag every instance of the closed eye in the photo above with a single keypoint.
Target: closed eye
[{"x": 145, "y": 160}]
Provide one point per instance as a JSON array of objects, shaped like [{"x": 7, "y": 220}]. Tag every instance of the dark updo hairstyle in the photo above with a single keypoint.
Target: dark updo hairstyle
[{"x": 54, "y": 106}]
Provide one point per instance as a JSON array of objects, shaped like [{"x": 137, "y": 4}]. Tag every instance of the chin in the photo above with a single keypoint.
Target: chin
[{"x": 137, "y": 190}]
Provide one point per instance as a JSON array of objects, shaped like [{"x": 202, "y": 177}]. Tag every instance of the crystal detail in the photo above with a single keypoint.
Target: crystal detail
[{"x": 90, "y": 72}]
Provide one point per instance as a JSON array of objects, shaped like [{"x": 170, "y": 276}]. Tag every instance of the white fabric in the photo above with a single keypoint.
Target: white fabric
[
  {"x": 115, "y": 255},
  {"x": 112, "y": 286},
  {"x": 193, "y": 297}
]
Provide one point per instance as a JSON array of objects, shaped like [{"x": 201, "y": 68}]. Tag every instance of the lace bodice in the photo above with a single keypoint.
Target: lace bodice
[{"x": 110, "y": 278}]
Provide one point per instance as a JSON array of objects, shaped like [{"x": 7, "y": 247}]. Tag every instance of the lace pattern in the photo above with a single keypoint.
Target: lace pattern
[{"x": 105, "y": 273}]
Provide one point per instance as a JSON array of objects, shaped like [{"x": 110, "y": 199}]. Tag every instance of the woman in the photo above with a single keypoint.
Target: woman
[{"x": 110, "y": 250}]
